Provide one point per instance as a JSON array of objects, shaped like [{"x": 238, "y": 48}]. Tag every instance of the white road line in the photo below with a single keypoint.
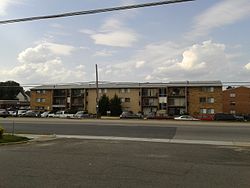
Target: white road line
[{"x": 157, "y": 140}]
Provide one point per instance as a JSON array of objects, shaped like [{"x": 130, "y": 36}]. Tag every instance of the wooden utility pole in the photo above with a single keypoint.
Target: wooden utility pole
[{"x": 97, "y": 92}]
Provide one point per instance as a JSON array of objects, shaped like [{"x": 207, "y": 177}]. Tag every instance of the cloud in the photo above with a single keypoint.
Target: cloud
[
  {"x": 44, "y": 51},
  {"x": 168, "y": 61},
  {"x": 247, "y": 66},
  {"x": 44, "y": 63},
  {"x": 113, "y": 33},
  {"x": 104, "y": 53},
  {"x": 223, "y": 13},
  {"x": 139, "y": 64},
  {"x": 116, "y": 38},
  {"x": 4, "y": 4}
]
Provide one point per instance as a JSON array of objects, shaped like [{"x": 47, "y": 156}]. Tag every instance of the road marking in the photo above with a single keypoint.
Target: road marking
[{"x": 157, "y": 140}]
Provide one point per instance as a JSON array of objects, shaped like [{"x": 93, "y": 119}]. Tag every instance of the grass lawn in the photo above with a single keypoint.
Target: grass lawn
[{"x": 12, "y": 138}]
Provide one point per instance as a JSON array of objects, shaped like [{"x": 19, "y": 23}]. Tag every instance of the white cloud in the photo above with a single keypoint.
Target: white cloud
[
  {"x": 116, "y": 38},
  {"x": 104, "y": 53},
  {"x": 247, "y": 66},
  {"x": 139, "y": 64},
  {"x": 44, "y": 63},
  {"x": 113, "y": 33},
  {"x": 44, "y": 51},
  {"x": 169, "y": 61},
  {"x": 3, "y": 6},
  {"x": 223, "y": 13}
]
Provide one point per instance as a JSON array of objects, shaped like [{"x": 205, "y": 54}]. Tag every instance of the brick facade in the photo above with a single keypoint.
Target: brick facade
[
  {"x": 236, "y": 101},
  {"x": 207, "y": 98},
  {"x": 169, "y": 98}
]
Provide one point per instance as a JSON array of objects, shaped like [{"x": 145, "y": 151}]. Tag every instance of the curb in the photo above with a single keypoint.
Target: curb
[{"x": 32, "y": 138}]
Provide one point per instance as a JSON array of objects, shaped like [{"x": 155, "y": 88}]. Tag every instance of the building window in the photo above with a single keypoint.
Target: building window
[
  {"x": 127, "y": 99},
  {"x": 210, "y": 100},
  {"x": 122, "y": 100},
  {"x": 203, "y": 111},
  {"x": 232, "y": 95},
  {"x": 210, "y": 89},
  {"x": 40, "y": 100},
  {"x": 41, "y": 91},
  {"x": 202, "y": 99},
  {"x": 207, "y": 89},
  {"x": 232, "y": 103},
  {"x": 232, "y": 112},
  {"x": 210, "y": 111}
]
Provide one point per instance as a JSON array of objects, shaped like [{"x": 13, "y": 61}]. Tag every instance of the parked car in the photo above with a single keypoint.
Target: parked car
[
  {"x": 239, "y": 118},
  {"x": 130, "y": 115},
  {"x": 4, "y": 113},
  {"x": 186, "y": 118},
  {"x": 205, "y": 117},
  {"x": 29, "y": 113},
  {"x": 154, "y": 115},
  {"x": 21, "y": 112},
  {"x": 81, "y": 114},
  {"x": 224, "y": 117},
  {"x": 44, "y": 114}
]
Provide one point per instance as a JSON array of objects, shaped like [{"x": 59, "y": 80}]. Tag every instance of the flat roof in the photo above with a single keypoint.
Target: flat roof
[{"x": 107, "y": 85}]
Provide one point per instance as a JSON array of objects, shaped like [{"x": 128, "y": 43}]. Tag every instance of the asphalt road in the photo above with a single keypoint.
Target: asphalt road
[
  {"x": 118, "y": 164},
  {"x": 213, "y": 131}
]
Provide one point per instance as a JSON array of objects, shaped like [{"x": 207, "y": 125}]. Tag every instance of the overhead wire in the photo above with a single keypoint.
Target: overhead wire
[{"x": 93, "y": 11}]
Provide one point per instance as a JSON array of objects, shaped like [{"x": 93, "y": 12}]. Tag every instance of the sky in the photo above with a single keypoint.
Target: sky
[{"x": 199, "y": 40}]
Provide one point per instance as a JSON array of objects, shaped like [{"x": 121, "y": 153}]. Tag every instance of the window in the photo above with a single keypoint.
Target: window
[
  {"x": 40, "y": 100},
  {"x": 100, "y": 90},
  {"x": 202, "y": 99},
  {"x": 232, "y": 112},
  {"x": 210, "y": 111},
  {"x": 232, "y": 103},
  {"x": 127, "y": 99},
  {"x": 232, "y": 95},
  {"x": 207, "y": 89},
  {"x": 210, "y": 100},
  {"x": 203, "y": 111},
  {"x": 122, "y": 100},
  {"x": 210, "y": 89}
]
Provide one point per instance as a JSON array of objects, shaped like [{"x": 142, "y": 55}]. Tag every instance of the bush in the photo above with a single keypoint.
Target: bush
[{"x": 1, "y": 132}]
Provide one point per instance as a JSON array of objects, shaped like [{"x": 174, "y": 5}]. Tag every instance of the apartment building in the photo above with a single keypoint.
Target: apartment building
[
  {"x": 173, "y": 98},
  {"x": 236, "y": 100}
]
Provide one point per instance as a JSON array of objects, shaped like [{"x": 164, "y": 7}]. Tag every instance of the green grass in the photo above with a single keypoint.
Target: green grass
[{"x": 12, "y": 138}]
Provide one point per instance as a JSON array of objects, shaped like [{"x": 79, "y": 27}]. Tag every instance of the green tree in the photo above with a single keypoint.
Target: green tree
[
  {"x": 103, "y": 105},
  {"x": 9, "y": 90},
  {"x": 115, "y": 106}
]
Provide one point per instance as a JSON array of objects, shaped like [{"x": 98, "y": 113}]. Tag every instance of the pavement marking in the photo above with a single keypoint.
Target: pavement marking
[{"x": 157, "y": 140}]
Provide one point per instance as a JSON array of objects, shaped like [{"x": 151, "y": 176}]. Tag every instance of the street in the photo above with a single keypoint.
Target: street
[
  {"x": 182, "y": 130},
  {"x": 93, "y": 163},
  {"x": 129, "y": 153}
]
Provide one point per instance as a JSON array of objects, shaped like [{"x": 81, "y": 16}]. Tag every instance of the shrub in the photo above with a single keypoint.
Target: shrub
[{"x": 1, "y": 132}]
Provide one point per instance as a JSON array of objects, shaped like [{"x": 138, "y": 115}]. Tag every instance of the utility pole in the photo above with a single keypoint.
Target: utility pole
[{"x": 97, "y": 92}]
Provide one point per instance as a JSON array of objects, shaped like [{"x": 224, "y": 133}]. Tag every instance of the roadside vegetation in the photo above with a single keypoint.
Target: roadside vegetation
[{"x": 7, "y": 138}]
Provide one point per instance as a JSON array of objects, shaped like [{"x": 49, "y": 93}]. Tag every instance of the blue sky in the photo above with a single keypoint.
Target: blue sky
[{"x": 200, "y": 40}]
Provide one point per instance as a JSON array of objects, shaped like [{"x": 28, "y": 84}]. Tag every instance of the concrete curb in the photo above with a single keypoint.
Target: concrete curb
[
  {"x": 158, "y": 140},
  {"x": 33, "y": 138}
]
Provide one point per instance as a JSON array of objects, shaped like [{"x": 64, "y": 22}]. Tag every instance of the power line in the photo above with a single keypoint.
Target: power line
[{"x": 93, "y": 11}]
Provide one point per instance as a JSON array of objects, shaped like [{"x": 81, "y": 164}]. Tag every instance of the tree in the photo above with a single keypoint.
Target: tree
[
  {"x": 115, "y": 106},
  {"x": 103, "y": 105},
  {"x": 9, "y": 90}
]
